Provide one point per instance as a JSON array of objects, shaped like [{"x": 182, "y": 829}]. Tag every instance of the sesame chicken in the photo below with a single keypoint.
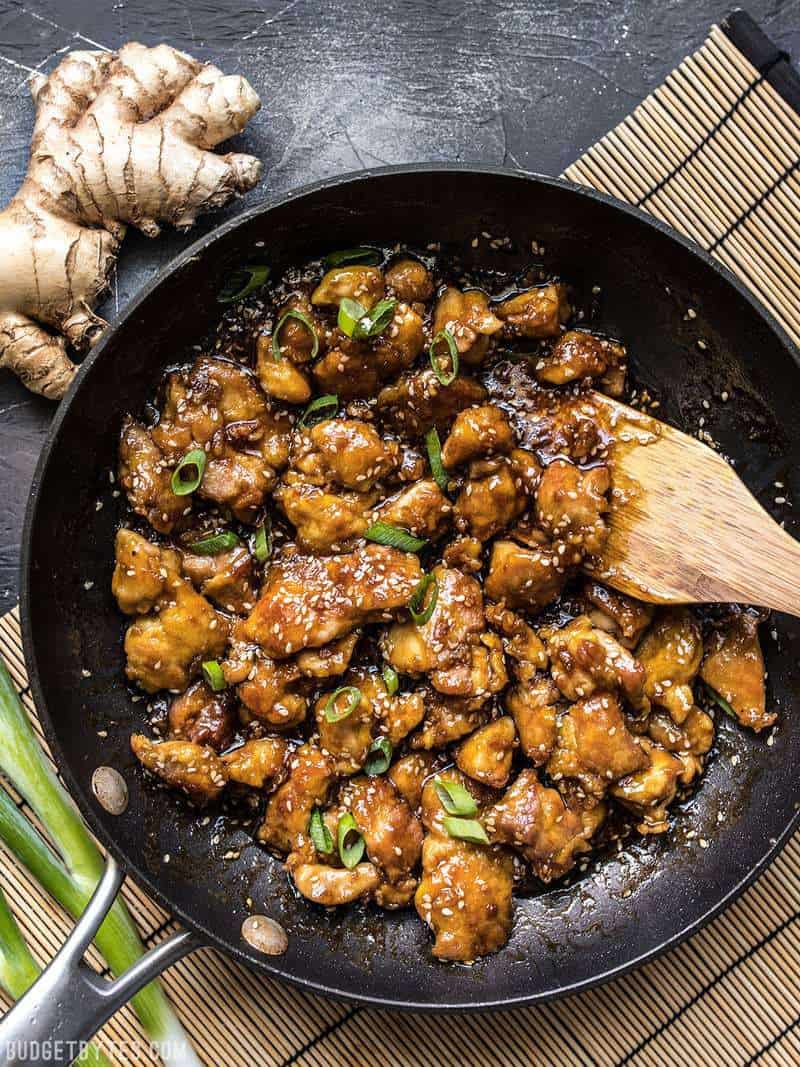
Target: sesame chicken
[
  {"x": 345, "y": 740},
  {"x": 364, "y": 284},
  {"x": 226, "y": 577},
  {"x": 422, "y": 509},
  {"x": 311, "y": 777},
  {"x": 537, "y": 312},
  {"x": 524, "y": 578},
  {"x": 734, "y": 668},
  {"x": 571, "y": 505},
  {"x": 324, "y": 522},
  {"x": 447, "y": 719},
  {"x": 295, "y": 339},
  {"x": 347, "y": 370},
  {"x": 470, "y": 321},
  {"x": 259, "y": 764},
  {"x": 622, "y": 616},
  {"x": 649, "y": 792},
  {"x": 332, "y": 886},
  {"x": 195, "y": 770},
  {"x": 409, "y": 774},
  {"x": 352, "y": 453},
  {"x": 400, "y": 343},
  {"x": 419, "y": 401},
  {"x": 490, "y": 501},
  {"x": 534, "y": 705},
  {"x": 271, "y": 692},
  {"x": 202, "y": 716},
  {"x": 328, "y": 661},
  {"x": 280, "y": 378},
  {"x": 670, "y": 653},
  {"x": 479, "y": 674},
  {"x": 478, "y": 431},
  {"x": 146, "y": 477},
  {"x": 141, "y": 573},
  {"x": 486, "y": 755},
  {"x": 464, "y": 554},
  {"x": 577, "y": 355},
  {"x": 410, "y": 280}
]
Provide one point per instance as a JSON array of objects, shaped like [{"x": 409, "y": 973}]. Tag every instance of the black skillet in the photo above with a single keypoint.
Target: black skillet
[{"x": 625, "y": 909}]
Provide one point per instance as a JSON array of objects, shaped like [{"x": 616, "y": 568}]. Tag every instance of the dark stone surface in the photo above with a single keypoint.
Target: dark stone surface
[{"x": 526, "y": 83}]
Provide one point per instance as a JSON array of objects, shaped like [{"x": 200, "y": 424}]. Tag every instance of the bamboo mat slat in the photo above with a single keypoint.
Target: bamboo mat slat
[{"x": 715, "y": 152}]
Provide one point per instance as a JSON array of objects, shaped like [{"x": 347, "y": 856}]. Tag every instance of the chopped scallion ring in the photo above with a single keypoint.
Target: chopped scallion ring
[
  {"x": 391, "y": 680},
  {"x": 351, "y": 312},
  {"x": 324, "y": 407},
  {"x": 262, "y": 543},
  {"x": 212, "y": 672},
  {"x": 183, "y": 486},
  {"x": 456, "y": 799},
  {"x": 349, "y": 840},
  {"x": 444, "y": 375},
  {"x": 321, "y": 837},
  {"x": 298, "y": 316},
  {"x": 220, "y": 542},
  {"x": 334, "y": 714},
  {"x": 242, "y": 282},
  {"x": 382, "y": 533},
  {"x": 434, "y": 446},
  {"x": 379, "y": 757},
  {"x": 375, "y": 321},
  {"x": 720, "y": 701},
  {"x": 465, "y": 830},
  {"x": 348, "y": 257},
  {"x": 421, "y": 611}
]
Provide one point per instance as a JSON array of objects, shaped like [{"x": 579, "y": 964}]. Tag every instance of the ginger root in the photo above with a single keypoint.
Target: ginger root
[{"x": 120, "y": 138}]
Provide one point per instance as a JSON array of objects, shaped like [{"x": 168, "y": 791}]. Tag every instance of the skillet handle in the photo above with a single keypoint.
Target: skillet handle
[{"x": 69, "y": 1003}]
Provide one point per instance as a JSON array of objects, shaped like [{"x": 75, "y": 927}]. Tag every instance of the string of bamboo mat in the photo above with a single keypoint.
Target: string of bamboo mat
[{"x": 714, "y": 152}]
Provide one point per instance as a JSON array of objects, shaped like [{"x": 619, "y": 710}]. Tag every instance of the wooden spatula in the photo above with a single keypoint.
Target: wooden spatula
[{"x": 684, "y": 528}]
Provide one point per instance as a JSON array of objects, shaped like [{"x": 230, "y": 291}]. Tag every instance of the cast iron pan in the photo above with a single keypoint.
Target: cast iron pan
[{"x": 625, "y": 909}]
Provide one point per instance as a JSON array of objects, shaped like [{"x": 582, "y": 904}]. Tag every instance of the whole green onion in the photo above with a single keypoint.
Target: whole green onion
[
  {"x": 319, "y": 833},
  {"x": 444, "y": 376},
  {"x": 184, "y": 486},
  {"x": 349, "y": 840},
  {"x": 465, "y": 830},
  {"x": 293, "y": 313},
  {"x": 455, "y": 798},
  {"x": 390, "y": 679},
  {"x": 379, "y": 757},
  {"x": 332, "y": 714},
  {"x": 242, "y": 282},
  {"x": 212, "y": 672},
  {"x": 420, "y": 611},
  {"x": 383, "y": 533},
  {"x": 220, "y": 542},
  {"x": 324, "y": 407},
  {"x": 347, "y": 257},
  {"x": 434, "y": 446}
]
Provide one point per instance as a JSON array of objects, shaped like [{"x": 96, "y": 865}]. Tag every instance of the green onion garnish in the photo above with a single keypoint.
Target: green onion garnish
[
  {"x": 420, "y": 611},
  {"x": 183, "y": 486},
  {"x": 444, "y": 376},
  {"x": 721, "y": 701},
  {"x": 350, "y": 841},
  {"x": 212, "y": 672},
  {"x": 391, "y": 680},
  {"x": 455, "y": 798},
  {"x": 293, "y": 313},
  {"x": 465, "y": 830},
  {"x": 362, "y": 325},
  {"x": 351, "y": 312},
  {"x": 347, "y": 257},
  {"x": 262, "y": 543},
  {"x": 321, "y": 837},
  {"x": 243, "y": 282},
  {"x": 382, "y": 533},
  {"x": 379, "y": 757},
  {"x": 324, "y": 407},
  {"x": 220, "y": 542},
  {"x": 332, "y": 714},
  {"x": 434, "y": 446}
]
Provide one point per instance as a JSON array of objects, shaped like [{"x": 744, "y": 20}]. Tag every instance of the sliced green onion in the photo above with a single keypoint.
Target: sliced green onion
[
  {"x": 332, "y": 714},
  {"x": 212, "y": 672},
  {"x": 183, "y": 486},
  {"x": 382, "y": 533},
  {"x": 220, "y": 542},
  {"x": 351, "y": 312},
  {"x": 242, "y": 282},
  {"x": 293, "y": 313},
  {"x": 262, "y": 542},
  {"x": 347, "y": 257},
  {"x": 444, "y": 376},
  {"x": 420, "y": 611},
  {"x": 391, "y": 680},
  {"x": 434, "y": 446},
  {"x": 324, "y": 407},
  {"x": 465, "y": 830},
  {"x": 456, "y": 799},
  {"x": 721, "y": 701},
  {"x": 320, "y": 835},
  {"x": 375, "y": 321},
  {"x": 350, "y": 841},
  {"x": 379, "y": 757}
]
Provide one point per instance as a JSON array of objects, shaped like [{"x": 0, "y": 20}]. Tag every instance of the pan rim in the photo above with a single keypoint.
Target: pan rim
[{"x": 80, "y": 796}]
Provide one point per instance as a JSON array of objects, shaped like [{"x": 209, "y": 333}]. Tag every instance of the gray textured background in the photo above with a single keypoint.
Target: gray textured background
[{"x": 352, "y": 84}]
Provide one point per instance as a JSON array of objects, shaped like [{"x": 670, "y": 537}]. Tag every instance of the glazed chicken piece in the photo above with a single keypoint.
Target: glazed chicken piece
[
  {"x": 203, "y": 717},
  {"x": 328, "y": 661},
  {"x": 409, "y": 774},
  {"x": 422, "y": 509},
  {"x": 536, "y": 313},
  {"x": 271, "y": 692},
  {"x": 146, "y": 477},
  {"x": 478, "y": 431},
  {"x": 478, "y": 675},
  {"x": 595, "y": 746},
  {"x": 364, "y": 284},
  {"x": 690, "y": 742},
  {"x": 399, "y": 344},
  {"x": 332, "y": 886},
  {"x": 194, "y": 769},
  {"x": 142, "y": 573},
  {"x": 534, "y": 707},
  {"x": 734, "y": 667},
  {"x": 520, "y": 641},
  {"x": 486, "y": 755},
  {"x": 622, "y": 616},
  {"x": 571, "y": 505},
  {"x": 218, "y": 407},
  {"x": 577, "y": 355},
  {"x": 410, "y": 280},
  {"x": 490, "y": 501},
  {"x": 347, "y": 370},
  {"x": 347, "y": 740},
  {"x": 306, "y": 601},
  {"x": 465, "y": 554},
  {"x": 470, "y": 320},
  {"x": 585, "y": 660},
  {"x": 226, "y": 577},
  {"x": 536, "y": 821},
  {"x": 447, "y": 719},
  {"x": 670, "y": 653},
  {"x": 392, "y": 834},
  {"x": 296, "y": 342},
  {"x": 280, "y": 378},
  {"x": 523, "y": 577},
  {"x": 419, "y": 401},
  {"x": 258, "y": 764},
  {"x": 649, "y": 792},
  {"x": 352, "y": 453},
  {"x": 285, "y": 825},
  {"x": 324, "y": 522}
]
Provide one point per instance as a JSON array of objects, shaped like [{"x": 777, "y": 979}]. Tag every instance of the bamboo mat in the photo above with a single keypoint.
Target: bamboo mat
[{"x": 714, "y": 151}]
